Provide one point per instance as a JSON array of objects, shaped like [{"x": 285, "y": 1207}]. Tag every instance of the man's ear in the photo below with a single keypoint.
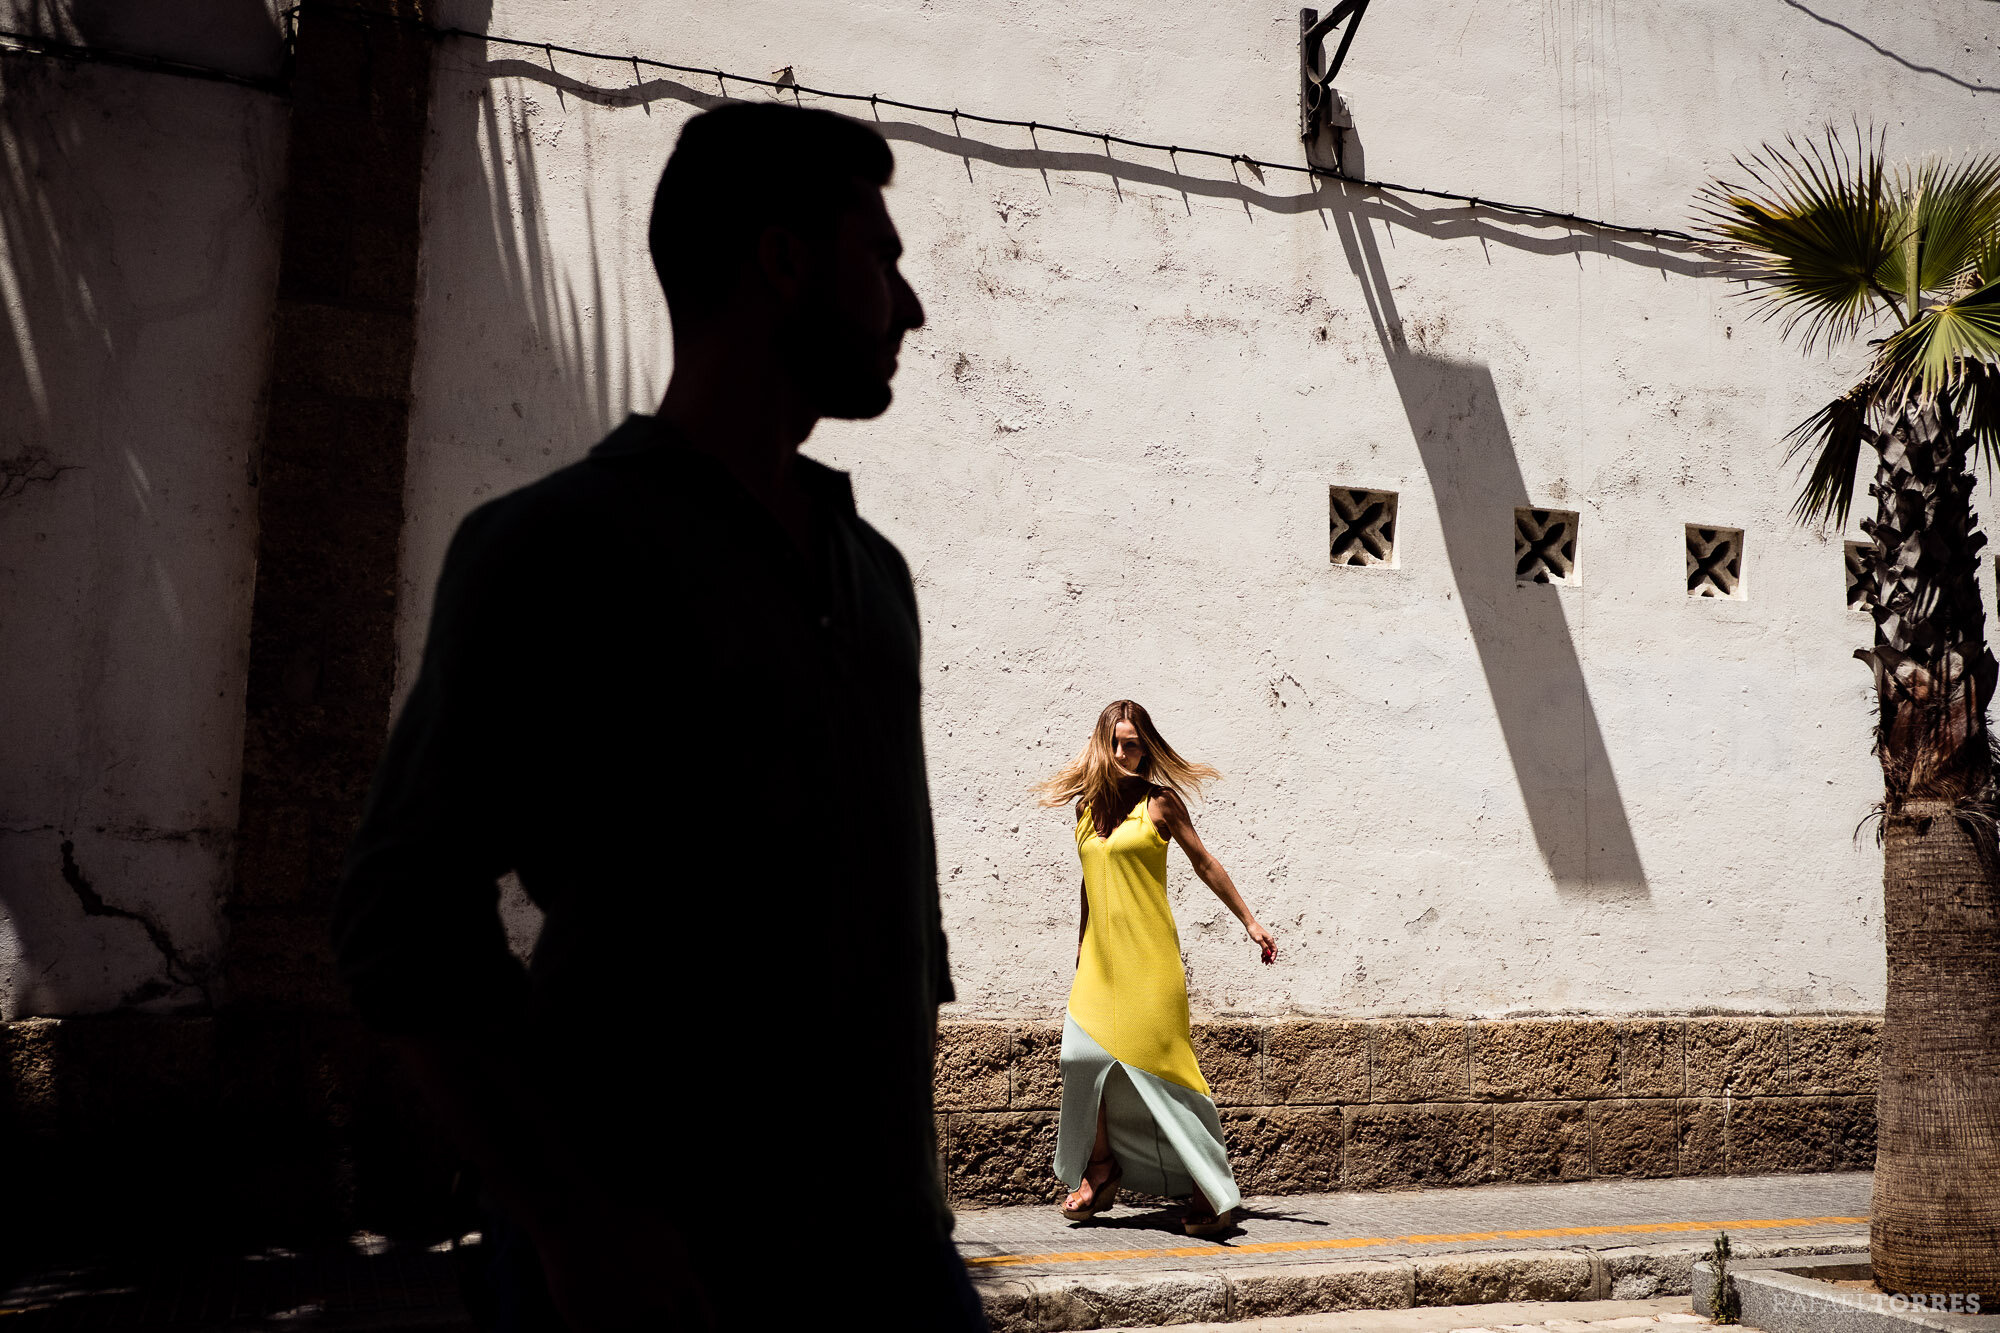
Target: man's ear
[{"x": 783, "y": 259}]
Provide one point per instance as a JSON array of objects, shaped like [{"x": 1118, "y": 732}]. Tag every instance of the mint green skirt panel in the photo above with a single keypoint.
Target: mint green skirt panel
[{"x": 1167, "y": 1138}]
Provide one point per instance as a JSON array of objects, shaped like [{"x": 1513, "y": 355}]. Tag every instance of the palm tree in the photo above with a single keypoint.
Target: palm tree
[{"x": 1840, "y": 247}]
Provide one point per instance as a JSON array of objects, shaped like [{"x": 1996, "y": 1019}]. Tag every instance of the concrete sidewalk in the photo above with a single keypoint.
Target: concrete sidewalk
[
  {"x": 1296, "y": 1255},
  {"x": 1134, "y": 1268}
]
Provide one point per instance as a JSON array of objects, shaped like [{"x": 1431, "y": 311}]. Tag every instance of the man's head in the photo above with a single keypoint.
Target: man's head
[{"x": 769, "y": 218}]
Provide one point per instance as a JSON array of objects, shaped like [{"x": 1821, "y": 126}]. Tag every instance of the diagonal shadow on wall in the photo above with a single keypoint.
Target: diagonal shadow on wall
[
  {"x": 1526, "y": 649},
  {"x": 1525, "y": 644},
  {"x": 1885, "y": 52}
]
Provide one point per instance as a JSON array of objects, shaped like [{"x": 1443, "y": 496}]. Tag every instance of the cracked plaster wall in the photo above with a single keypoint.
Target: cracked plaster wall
[
  {"x": 138, "y": 253},
  {"x": 1109, "y": 457}
]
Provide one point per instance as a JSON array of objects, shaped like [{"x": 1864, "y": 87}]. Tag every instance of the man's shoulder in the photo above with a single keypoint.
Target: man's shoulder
[
  {"x": 885, "y": 550},
  {"x": 591, "y": 502},
  {"x": 575, "y": 496},
  {"x": 832, "y": 488}
]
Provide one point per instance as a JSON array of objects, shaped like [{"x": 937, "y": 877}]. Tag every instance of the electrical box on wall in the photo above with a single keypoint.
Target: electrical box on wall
[{"x": 1325, "y": 122}]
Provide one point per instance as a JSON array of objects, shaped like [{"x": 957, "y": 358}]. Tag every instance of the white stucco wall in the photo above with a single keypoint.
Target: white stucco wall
[
  {"x": 138, "y": 258},
  {"x": 1110, "y": 451}
]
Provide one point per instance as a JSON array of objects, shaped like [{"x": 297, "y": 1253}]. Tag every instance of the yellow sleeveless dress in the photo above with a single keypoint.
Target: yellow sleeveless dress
[{"x": 1125, "y": 1038}]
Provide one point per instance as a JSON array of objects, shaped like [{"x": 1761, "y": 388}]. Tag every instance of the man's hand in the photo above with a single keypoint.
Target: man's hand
[{"x": 611, "y": 1268}]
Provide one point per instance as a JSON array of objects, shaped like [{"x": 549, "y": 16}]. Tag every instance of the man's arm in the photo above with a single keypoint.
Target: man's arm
[
  {"x": 420, "y": 943},
  {"x": 416, "y": 923},
  {"x": 417, "y": 928}
]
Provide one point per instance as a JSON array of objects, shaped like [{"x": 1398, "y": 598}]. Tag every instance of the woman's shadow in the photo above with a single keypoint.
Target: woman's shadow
[{"x": 1162, "y": 1216}]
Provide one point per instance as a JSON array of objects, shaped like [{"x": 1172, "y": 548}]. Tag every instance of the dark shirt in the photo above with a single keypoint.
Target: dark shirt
[{"x": 699, "y": 747}]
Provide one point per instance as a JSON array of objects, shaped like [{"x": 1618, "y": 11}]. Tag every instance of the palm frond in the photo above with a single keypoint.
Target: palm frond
[
  {"x": 1935, "y": 350},
  {"x": 1816, "y": 226},
  {"x": 1832, "y": 439},
  {"x": 1978, "y": 411},
  {"x": 1949, "y": 213},
  {"x": 1984, "y": 264}
]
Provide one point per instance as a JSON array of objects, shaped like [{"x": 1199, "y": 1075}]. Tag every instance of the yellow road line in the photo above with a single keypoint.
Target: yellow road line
[{"x": 1448, "y": 1238}]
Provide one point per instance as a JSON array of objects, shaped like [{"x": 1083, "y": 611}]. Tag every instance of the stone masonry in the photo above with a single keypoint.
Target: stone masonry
[
  {"x": 1311, "y": 1105},
  {"x": 110, "y": 1111}
]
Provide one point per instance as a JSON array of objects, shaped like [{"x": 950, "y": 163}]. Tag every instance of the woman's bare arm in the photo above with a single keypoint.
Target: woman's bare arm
[
  {"x": 1084, "y": 893},
  {"x": 1173, "y": 821}
]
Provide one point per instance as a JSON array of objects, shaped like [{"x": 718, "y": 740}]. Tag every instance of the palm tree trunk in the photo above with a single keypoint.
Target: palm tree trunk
[
  {"x": 1933, "y": 672},
  {"x": 1935, "y": 1223}
]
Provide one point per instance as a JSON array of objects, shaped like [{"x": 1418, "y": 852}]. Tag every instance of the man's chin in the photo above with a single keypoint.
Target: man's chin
[{"x": 858, "y": 402}]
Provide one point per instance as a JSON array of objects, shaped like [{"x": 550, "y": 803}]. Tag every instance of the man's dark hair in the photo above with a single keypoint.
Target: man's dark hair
[{"x": 739, "y": 169}]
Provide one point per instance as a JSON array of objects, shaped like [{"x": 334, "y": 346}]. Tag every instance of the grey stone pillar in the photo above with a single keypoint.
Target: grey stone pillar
[{"x": 298, "y": 1080}]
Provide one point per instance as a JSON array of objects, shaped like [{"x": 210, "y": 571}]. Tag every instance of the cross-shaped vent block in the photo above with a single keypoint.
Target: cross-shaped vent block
[
  {"x": 1715, "y": 562},
  {"x": 1858, "y": 555},
  {"x": 1361, "y": 526},
  {"x": 1545, "y": 545}
]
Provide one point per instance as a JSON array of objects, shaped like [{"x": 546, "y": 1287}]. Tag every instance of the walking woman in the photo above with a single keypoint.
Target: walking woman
[{"x": 1135, "y": 1108}]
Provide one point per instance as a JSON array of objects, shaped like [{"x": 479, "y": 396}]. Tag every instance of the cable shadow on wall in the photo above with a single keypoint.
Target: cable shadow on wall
[
  {"x": 1522, "y": 634},
  {"x": 1886, "y": 53},
  {"x": 1245, "y": 185}
]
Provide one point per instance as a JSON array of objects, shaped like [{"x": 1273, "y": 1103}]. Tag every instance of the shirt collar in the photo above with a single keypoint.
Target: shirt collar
[{"x": 640, "y": 434}]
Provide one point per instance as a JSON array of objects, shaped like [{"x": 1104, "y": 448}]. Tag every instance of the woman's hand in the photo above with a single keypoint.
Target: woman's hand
[{"x": 1262, "y": 939}]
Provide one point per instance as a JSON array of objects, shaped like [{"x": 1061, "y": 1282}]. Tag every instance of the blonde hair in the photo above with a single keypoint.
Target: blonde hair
[{"x": 1091, "y": 779}]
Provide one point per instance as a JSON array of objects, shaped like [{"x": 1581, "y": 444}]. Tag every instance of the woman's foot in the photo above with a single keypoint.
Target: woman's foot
[
  {"x": 1203, "y": 1220},
  {"x": 1098, "y": 1190}
]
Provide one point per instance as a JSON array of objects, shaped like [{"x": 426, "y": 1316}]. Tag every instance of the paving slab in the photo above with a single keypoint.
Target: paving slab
[
  {"x": 1666, "y": 1316},
  {"x": 1598, "y": 1214},
  {"x": 1307, "y": 1254}
]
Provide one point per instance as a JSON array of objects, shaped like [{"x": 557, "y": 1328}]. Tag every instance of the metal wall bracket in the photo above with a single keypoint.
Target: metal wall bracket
[{"x": 1322, "y": 111}]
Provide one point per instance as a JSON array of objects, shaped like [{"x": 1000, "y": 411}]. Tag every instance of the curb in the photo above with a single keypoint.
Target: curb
[
  {"x": 1800, "y": 1296},
  {"x": 1055, "y": 1303}
]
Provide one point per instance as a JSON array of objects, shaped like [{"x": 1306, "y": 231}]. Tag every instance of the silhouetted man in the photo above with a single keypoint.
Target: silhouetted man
[{"x": 675, "y": 687}]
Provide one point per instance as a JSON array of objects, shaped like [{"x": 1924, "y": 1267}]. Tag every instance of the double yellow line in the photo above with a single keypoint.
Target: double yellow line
[{"x": 1441, "y": 1238}]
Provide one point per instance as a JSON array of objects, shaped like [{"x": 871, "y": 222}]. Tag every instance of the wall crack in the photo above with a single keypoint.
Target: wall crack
[
  {"x": 18, "y": 471},
  {"x": 179, "y": 971}
]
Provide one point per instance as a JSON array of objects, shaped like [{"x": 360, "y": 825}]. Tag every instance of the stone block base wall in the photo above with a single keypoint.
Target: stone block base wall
[
  {"x": 1310, "y": 1105},
  {"x": 169, "y": 1131},
  {"x": 290, "y": 1127}
]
